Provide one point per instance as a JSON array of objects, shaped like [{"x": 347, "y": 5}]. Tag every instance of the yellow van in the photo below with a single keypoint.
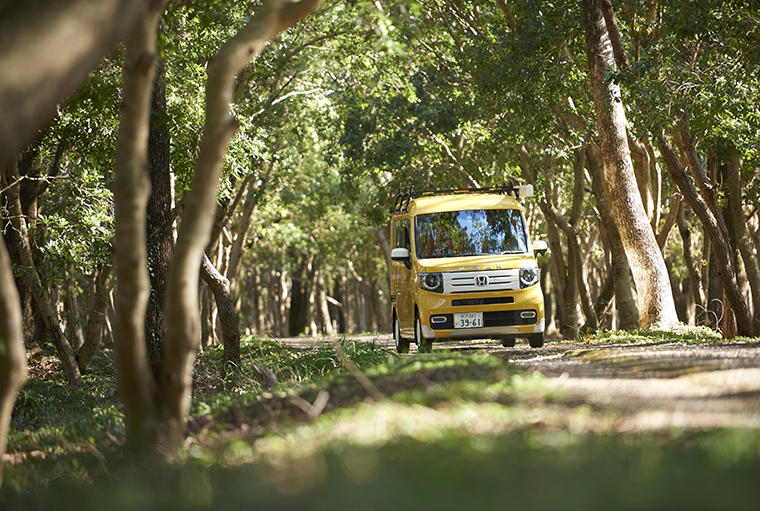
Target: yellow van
[{"x": 463, "y": 267}]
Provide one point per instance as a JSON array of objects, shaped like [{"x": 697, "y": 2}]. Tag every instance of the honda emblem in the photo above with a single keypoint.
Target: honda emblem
[{"x": 481, "y": 280}]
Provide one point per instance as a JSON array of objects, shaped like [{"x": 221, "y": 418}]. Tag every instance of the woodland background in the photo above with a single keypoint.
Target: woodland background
[{"x": 331, "y": 118}]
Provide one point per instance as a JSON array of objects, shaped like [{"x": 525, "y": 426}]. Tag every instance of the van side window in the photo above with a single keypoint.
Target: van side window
[{"x": 401, "y": 235}]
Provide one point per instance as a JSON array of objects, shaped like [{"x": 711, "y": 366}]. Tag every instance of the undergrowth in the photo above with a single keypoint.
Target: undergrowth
[{"x": 442, "y": 430}]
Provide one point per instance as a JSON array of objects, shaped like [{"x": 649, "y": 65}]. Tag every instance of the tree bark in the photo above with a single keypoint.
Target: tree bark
[
  {"x": 131, "y": 193},
  {"x": 159, "y": 215},
  {"x": 255, "y": 191},
  {"x": 697, "y": 290},
  {"x": 643, "y": 173},
  {"x": 95, "y": 320},
  {"x": 620, "y": 270},
  {"x": 220, "y": 287},
  {"x": 13, "y": 369},
  {"x": 656, "y": 308}
]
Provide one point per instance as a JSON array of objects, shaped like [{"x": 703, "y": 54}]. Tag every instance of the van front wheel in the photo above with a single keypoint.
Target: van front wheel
[
  {"x": 508, "y": 342},
  {"x": 402, "y": 345},
  {"x": 536, "y": 340},
  {"x": 424, "y": 345}
]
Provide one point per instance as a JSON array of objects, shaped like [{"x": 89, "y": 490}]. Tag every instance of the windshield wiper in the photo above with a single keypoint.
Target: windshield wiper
[{"x": 506, "y": 252}]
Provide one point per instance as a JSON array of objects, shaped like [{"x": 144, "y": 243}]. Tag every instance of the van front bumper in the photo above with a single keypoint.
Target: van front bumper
[{"x": 515, "y": 314}]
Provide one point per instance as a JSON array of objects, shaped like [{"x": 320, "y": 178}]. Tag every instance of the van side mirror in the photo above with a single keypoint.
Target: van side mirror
[
  {"x": 540, "y": 247},
  {"x": 402, "y": 254}
]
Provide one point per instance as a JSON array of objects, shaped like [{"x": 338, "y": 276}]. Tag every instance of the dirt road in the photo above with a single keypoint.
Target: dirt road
[{"x": 660, "y": 386}]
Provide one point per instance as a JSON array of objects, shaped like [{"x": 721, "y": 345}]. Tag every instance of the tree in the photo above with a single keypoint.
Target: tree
[
  {"x": 693, "y": 76},
  {"x": 12, "y": 352},
  {"x": 156, "y": 406},
  {"x": 656, "y": 307}
]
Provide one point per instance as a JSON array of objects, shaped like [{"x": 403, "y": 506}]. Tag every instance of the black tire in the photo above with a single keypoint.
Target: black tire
[
  {"x": 508, "y": 342},
  {"x": 402, "y": 345},
  {"x": 423, "y": 345},
  {"x": 536, "y": 340}
]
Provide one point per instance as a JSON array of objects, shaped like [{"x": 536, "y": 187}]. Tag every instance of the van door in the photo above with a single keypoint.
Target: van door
[{"x": 401, "y": 278}]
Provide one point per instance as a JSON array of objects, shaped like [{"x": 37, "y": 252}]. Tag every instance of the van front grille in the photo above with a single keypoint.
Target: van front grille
[
  {"x": 481, "y": 281},
  {"x": 482, "y": 301}
]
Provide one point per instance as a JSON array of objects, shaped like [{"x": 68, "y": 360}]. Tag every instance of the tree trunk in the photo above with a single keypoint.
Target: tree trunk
[
  {"x": 182, "y": 282},
  {"x": 220, "y": 287},
  {"x": 131, "y": 193},
  {"x": 565, "y": 282},
  {"x": 620, "y": 270},
  {"x": 312, "y": 272},
  {"x": 73, "y": 330},
  {"x": 159, "y": 215},
  {"x": 13, "y": 368},
  {"x": 706, "y": 207},
  {"x": 324, "y": 310},
  {"x": 255, "y": 191},
  {"x": 733, "y": 180},
  {"x": 643, "y": 173},
  {"x": 691, "y": 265},
  {"x": 95, "y": 320},
  {"x": 41, "y": 296},
  {"x": 656, "y": 308}
]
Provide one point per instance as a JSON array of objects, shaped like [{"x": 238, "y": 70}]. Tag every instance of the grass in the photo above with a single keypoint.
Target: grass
[
  {"x": 445, "y": 430},
  {"x": 685, "y": 335}
]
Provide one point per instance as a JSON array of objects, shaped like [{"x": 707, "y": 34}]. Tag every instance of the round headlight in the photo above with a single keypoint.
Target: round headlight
[
  {"x": 529, "y": 277},
  {"x": 431, "y": 282}
]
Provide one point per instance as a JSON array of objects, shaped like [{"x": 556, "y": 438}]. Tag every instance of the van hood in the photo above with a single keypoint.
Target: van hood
[{"x": 476, "y": 263}]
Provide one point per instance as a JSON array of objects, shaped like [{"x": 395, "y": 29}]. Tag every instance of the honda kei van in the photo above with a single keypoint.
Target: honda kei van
[{"x": 463, "y": 267}]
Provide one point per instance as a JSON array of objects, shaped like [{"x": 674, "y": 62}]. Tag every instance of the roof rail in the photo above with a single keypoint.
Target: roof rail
[{"x": 406, "y": 194}]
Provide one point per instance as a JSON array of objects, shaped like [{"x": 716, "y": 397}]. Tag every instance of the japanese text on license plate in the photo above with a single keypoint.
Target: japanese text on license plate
[{"x": 468, "y": 320}]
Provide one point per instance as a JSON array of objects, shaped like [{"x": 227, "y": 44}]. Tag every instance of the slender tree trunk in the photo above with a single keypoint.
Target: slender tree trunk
[
  {"x": 131, "y": 193},
  {"x": 220, "y": 287},
  {"x": 33, "y": 282},
  {"x": 255, "y": 191},
  {"x": 312, "y": 270},
  {"x": 159, "y": 215},
  {"x": 642, "y": 171},
  {"x": 73, "y": 331},
  {"x": 324, "y": 310},
  {"x": 698, "y": 295},
  {"x": 13, "y": 368},
  {"x": 656, "y": 308},
  {"x": 182, "y": 282},
  {"x": 95, "y": 320},
  {"x": 733, "y": 180},
  {"x": 706, "y": 207}
]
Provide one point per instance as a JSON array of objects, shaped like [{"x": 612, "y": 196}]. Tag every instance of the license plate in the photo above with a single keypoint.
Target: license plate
[{"x": 468, "y": 320}]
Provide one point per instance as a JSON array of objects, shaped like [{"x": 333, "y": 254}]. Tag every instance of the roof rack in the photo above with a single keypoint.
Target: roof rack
[{"x": 406, "y": 194}]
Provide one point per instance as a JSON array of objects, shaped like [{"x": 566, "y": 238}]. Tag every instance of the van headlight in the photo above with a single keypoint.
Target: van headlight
[
  {"x": 529, "y": 277},
  {"x": 432, "y": 282}
]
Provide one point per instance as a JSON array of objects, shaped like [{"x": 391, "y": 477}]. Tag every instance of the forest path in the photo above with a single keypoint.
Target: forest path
[{"x": 651, "y": 387}]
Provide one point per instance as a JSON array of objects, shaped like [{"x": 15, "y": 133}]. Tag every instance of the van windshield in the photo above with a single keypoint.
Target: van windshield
[{"x": 470, "y": 232}]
